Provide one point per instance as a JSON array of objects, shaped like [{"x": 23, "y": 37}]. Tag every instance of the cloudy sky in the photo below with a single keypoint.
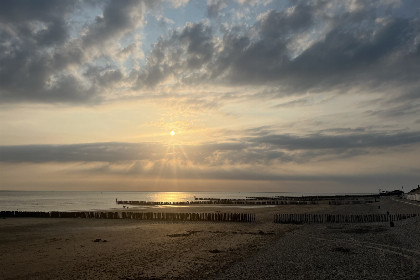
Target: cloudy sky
[{"x": 306, "y": 96}]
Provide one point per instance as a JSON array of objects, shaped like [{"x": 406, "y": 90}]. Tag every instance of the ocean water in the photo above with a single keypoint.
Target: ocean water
[{"x": 87, "y": 200}]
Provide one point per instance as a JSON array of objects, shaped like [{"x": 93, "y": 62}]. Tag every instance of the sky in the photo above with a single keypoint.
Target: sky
[{"x": 295, "y": 96}]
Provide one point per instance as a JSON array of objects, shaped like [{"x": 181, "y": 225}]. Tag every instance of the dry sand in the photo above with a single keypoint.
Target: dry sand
[
  {"x": 340, "y": 251},
  {"x": 36, "y": 248}
]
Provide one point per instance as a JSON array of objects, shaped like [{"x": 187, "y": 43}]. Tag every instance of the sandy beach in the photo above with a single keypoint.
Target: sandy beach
[{"x": 40, "y": 248}]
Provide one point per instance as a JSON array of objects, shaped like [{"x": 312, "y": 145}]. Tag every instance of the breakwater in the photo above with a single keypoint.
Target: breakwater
[
  {"x": 213, "y": 217},
  {"x": 338, "y": 218},
  {"x": 276, "y": 200},
  {"x": 154, "y": 216},
  {"x": 216, "y": 202},
  {"x": 360, "y": 197}
]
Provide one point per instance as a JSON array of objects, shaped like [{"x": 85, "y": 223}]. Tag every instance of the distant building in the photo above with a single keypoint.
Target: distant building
[{"x": 414, "y": 194}]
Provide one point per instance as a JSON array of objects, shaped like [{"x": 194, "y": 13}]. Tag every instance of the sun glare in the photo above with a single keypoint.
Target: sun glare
[{"x": 172, "y": 133}]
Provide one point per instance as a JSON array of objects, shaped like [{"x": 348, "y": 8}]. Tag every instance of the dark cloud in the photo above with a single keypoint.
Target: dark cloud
[
  {"x": 372, "y": 47},
  {"x": 351, "y": 58},
  {"x": 349, "y": 141},
  {"x": 21, "y": 11},
  {"x": 118, "y": 17},
  {"x": 28, "y": 30},
  {"x": 103, "y": 76},
  {"x": 214, "y": 7},
  {"x": 259, "y": 149},
  {"x": 42, "y": 54},
  {"x": 237, "y": 58},
  {"x": 187, "y": 50},
  {"x": 275, "y": 25},
  {"x": 396, "y": 110},
  {"x": 311, "y": 181},
  {"x": 259, "y": 157},
  {"x": 314, "y": 46},
  {"x": 101, "y": 152},
  {"x": 256, "y": 174}
]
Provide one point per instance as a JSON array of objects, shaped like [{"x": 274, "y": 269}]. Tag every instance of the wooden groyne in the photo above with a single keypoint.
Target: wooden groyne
[
  {"x": 154, "y": 216},
  {"x": 338, "y": 218},
  {"x": 215, "y": 202},
  {"x": 277, "y": 200},
  {"x": 353, "y": 197}
]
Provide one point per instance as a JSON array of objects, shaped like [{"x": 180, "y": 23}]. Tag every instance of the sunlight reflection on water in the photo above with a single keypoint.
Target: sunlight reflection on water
[{"x": 171, "y": 196}]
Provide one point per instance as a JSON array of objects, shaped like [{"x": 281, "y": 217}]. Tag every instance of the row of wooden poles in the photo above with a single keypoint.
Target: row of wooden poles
[
  {"x": 338, "y": 218},
  {"x": 342, "y": 202},
  {"x": 213, "y": 217},
  {"x": 281, "y": 200},
  {"x": 304, "y": 198},
  {"x": 220, "y": 201}
]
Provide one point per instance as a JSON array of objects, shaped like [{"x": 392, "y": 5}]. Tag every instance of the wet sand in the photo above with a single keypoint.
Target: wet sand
[{"x": 37, "y": 248}]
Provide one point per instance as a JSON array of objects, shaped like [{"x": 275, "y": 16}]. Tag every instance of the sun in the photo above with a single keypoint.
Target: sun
[{"x": 172, "y": 133}]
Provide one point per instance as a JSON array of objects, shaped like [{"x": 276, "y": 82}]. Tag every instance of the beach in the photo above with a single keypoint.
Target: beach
[{"x": 68, "y": 248}]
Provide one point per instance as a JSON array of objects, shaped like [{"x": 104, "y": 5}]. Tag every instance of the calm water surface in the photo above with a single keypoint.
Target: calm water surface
[{"x": 82, "y": 201}]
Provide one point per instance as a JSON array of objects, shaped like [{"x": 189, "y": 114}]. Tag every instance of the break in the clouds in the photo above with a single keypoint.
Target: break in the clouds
[{"x": 261, "y": 90}]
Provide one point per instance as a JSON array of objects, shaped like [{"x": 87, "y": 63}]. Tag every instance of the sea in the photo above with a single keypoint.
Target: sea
[{"x": 106, "y": 200}]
